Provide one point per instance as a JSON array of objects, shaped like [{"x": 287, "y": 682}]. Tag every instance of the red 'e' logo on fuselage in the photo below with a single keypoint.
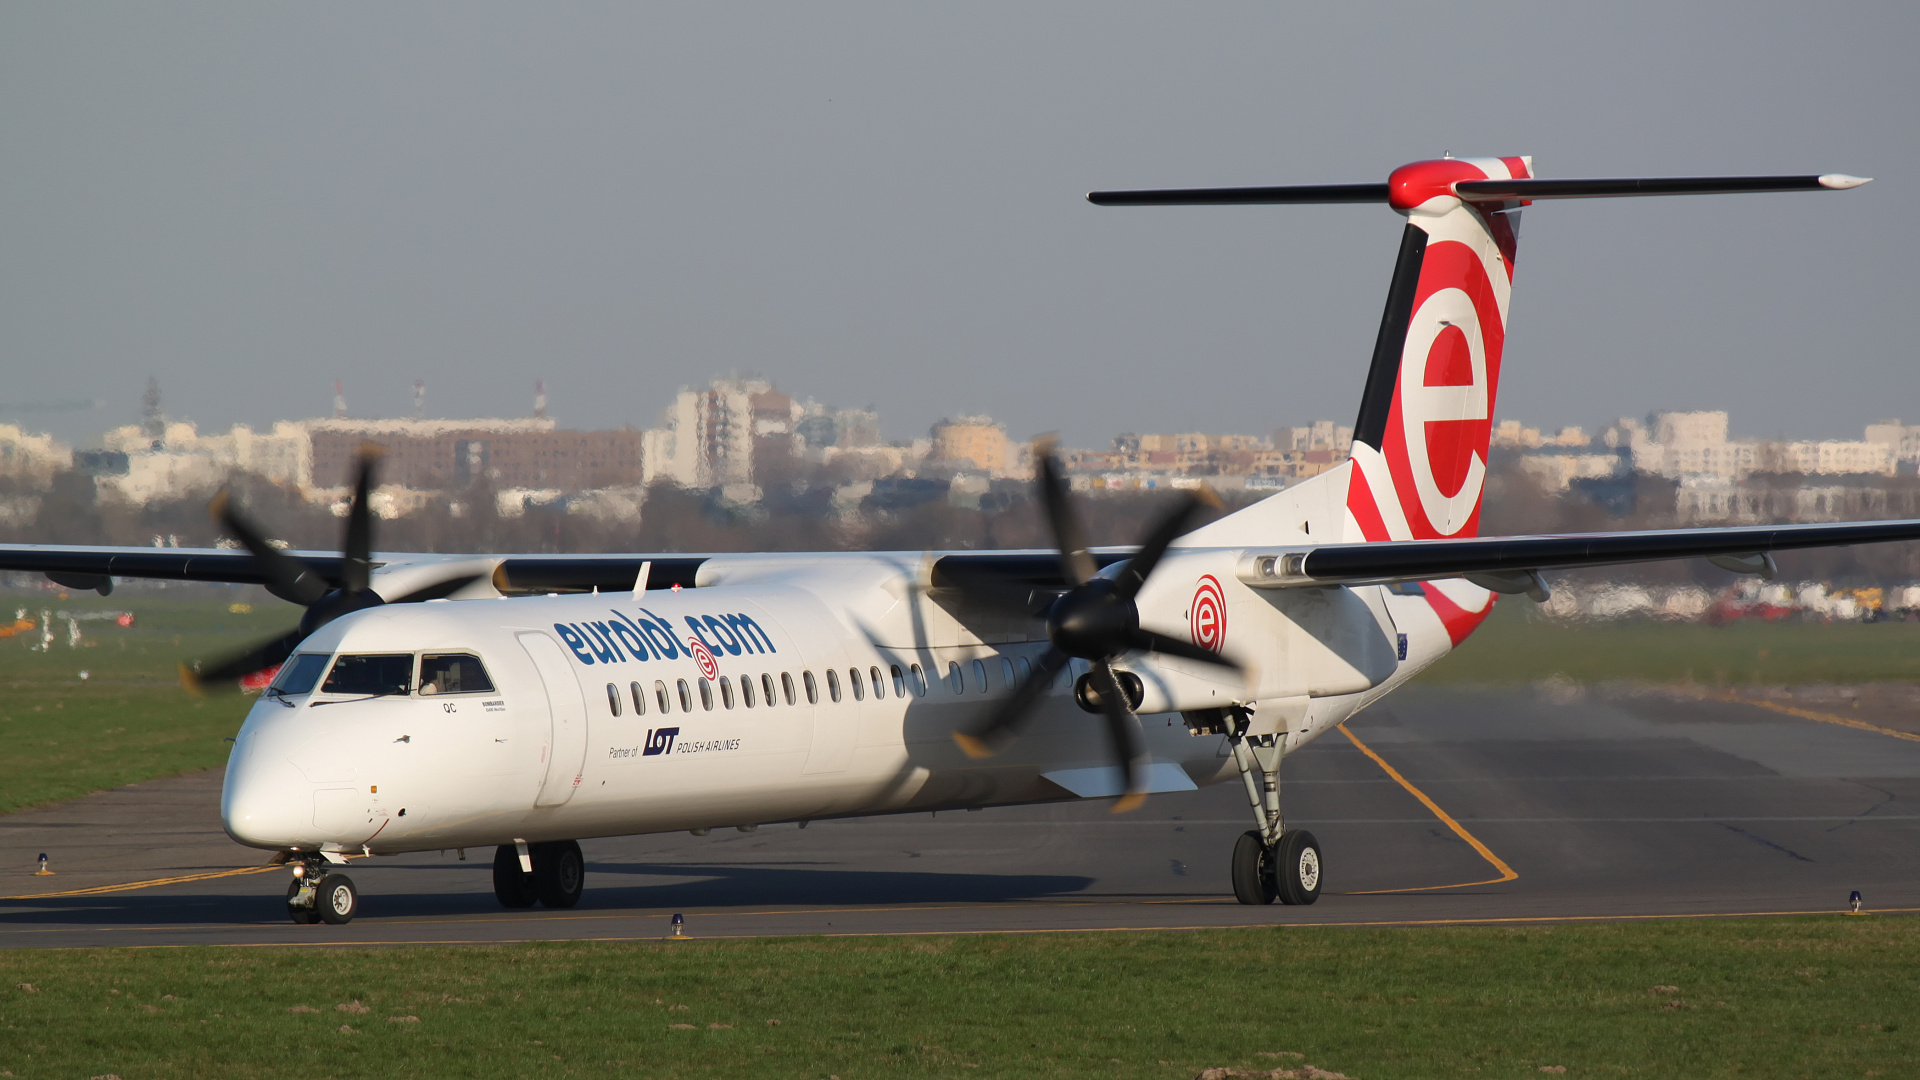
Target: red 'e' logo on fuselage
[
  {"x": 1207, "y": 619},
  {"x": 708, "y": 666}
]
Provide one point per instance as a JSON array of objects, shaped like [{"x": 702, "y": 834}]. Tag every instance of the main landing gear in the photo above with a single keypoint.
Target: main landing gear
[
  {"x": 552, "y": 873},
  {"x": 1270, "y": 861},
  {"x": 317, "y": 895}
]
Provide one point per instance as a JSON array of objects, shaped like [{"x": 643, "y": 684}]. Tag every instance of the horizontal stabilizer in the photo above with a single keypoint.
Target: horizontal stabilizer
[
  {"x": 1244, "y": 196},
  {"x": 1615, "y": 187}
]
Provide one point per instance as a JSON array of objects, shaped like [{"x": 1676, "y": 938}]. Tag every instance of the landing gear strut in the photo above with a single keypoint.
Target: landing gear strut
[
  {"x": 315, "y": 895},
  {"x": 552, "y": 873},
  {"x": 1270, "y": 861}
]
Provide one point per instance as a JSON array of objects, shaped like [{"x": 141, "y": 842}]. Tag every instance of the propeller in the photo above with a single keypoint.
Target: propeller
[
  {"x": 292, "y": 580},
  {"x": 1095, "y": 620}
]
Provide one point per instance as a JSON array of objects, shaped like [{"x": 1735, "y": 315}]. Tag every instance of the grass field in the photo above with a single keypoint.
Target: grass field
[
  {"x": 128, "y": 720},
  {"x": 1518, "y": 645},
  {"x": 1755, "y": 998}
]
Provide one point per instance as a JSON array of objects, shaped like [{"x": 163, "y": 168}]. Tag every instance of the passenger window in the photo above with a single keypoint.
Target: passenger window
[
  {"x": 919, "y": 680},
  {"x": 766, "y": 689},
  {"x": 660, "y": 697},
  {"x": 686, "y": 696},
  {"x": 298, "y": 675},
  {"x": 813, "y": 689},
  {"x": 453, "y": 673},
  {"x": 899, "y": 682},
  {"x": 1026, "y": 669},
  {"x": 706, "y": 694},
  {"x": 1007, "y": 677},
  {"x": 954, "y": 682},
  {"x": 613, "y": 699},
  {"x": 853, "y": 680},
  {"x": 879, "y": 687},
  {"x": 639, "y": 699},
  {"x": 726, "y": 691},
  {"x": 746, "y": 691},
  {"x": 786, "y": 686},
  {"x": 833, "y": 684},
  {"x": 980, "y": 675},
  {"x": 383, "y": 674}
]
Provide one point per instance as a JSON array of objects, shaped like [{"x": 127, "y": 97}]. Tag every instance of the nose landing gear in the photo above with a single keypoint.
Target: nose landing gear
[{"x": 314, "y": 895}]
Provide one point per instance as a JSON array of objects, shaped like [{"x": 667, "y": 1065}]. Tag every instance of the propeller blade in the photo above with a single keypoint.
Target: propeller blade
[
  {"x": 993, "y": 736},
  {"x": 287, "y": 577},
  {"x": 1076, "y": 564},
  {"x": 439, "y": 590},
  {"x": 1159, "y": 538},
  {"x": 1123, "y": 730},
  {"x": 1186, "y": 650},
  {"x": 356, "y": 569},
  {"x": 221, "y": 673}
]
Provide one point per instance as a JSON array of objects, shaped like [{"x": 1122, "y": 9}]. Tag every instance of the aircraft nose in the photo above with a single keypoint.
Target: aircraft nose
[{"x": 267, "y": 803}]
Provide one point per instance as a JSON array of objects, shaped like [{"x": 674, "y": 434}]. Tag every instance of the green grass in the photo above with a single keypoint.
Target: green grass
[
  {"x": 1518, "y": 645},
  {"x": 1755, "y": 998},
  {"x": 129, "y": 720}
]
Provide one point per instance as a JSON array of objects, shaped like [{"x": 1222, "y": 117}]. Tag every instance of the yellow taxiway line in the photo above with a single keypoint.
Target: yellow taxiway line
[
  {"x": 102, "y": 890},
  {"x": 1807, "y": 714},
  {"x": 1507, "y": 873}
]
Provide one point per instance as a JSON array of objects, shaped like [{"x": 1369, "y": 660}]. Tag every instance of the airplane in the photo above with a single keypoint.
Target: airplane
[{"x": 525, "y": 702}]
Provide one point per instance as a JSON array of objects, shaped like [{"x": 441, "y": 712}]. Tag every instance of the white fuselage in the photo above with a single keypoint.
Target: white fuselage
[{"x": 545, "y": 755}]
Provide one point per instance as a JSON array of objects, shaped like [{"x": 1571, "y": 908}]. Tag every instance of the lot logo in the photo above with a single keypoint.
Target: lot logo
[
  {"x": 659, "y": 741},
  {"x": 1207, "y": 618}
]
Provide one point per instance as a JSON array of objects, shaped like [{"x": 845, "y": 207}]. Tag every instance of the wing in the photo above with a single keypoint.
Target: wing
[
  {"x": 1513, "y": 561},
  {"x": 94, "y": 567}
]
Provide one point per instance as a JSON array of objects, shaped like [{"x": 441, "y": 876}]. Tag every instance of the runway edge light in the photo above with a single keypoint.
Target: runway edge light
[
  {"x": 43, "y": 871},
  {"x": 1853, "y": 902}
]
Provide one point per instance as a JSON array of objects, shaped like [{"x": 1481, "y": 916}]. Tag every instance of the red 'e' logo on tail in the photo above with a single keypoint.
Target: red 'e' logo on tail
[{"x": 1207, "y": 620}]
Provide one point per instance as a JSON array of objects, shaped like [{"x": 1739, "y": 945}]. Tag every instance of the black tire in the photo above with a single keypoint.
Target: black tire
[
  {"x": 512, "y": 887},
  {"x": 337, "y": 900},
  {"x": 1297, "y": 868},
  {"x": 559, "y": 873},
  {"x": 1253, "y": 870},
  {"x": 305, "y": 916}
]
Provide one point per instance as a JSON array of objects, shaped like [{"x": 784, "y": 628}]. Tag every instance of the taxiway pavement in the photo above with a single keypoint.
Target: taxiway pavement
[{"x": 1616, "y": 806}]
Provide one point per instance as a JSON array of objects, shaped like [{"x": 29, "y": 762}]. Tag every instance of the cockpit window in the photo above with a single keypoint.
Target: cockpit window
[
  {"x": 375, "y": 674},
  {"x": 298, "y": 675},
  {"x": 453, "y": 673}
]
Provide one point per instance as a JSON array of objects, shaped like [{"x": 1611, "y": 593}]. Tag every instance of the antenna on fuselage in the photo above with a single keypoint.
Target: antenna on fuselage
[{"x": 640, "y": 580}]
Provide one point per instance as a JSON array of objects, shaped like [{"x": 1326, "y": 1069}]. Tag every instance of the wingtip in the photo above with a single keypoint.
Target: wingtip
[
  {"x": 1841, "y": 181},
  {"x": 974, "y": 747}
]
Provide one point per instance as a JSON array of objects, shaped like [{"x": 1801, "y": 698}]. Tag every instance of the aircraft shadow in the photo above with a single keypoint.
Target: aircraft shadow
[{"x": 609, "y": 888}]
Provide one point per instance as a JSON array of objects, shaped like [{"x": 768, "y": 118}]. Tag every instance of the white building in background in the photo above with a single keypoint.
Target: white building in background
[
  {"x": 1902, "y": 439},
  {"x": 1320, "y": 435},
  {"x": 706, "y": 437},
  {"x": 32, "y": 458},
  {"x": 139, "y": 468},
  {"x": 1694, "y": 445}
]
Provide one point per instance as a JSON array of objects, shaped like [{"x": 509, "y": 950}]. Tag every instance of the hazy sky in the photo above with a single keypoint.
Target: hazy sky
[{"x": 882, "y": 204}]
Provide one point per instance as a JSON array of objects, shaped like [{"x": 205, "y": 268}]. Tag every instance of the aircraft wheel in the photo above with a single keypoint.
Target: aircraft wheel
[
  {"x": 1296, "y": 867},
  {"x": 305, "y": 916},
  {"x": 511, "y": 887},
  {"x": 1253, "y": 870},
  {"x": 559, "y": 873},
  {"x": 338, "y": 901}
]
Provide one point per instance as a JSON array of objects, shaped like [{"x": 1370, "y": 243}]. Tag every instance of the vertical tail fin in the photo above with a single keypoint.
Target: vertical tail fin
[{"x": 1420, "y": 443}]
